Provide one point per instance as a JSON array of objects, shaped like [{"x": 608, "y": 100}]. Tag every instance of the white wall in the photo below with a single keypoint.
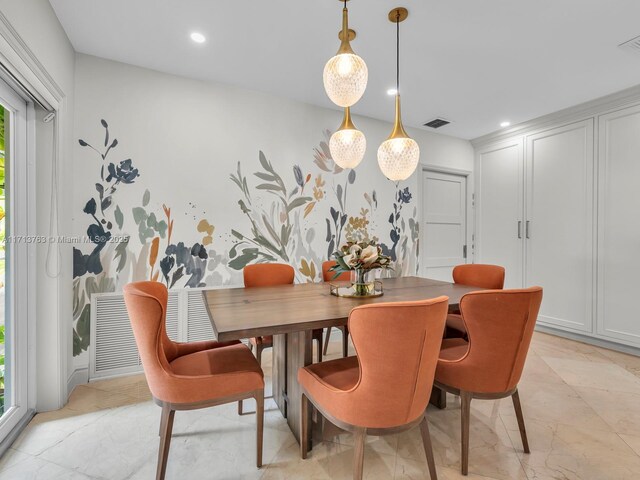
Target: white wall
[
  {"x": 186, "y": 138},
  {"x": 38, "y": 26}
]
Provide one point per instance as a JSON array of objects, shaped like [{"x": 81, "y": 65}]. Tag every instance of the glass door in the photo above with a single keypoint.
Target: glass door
[{"x": 14, "y": 246}]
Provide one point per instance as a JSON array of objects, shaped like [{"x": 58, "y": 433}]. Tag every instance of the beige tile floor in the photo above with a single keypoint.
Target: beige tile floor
[{"x": 581, "y": 406}]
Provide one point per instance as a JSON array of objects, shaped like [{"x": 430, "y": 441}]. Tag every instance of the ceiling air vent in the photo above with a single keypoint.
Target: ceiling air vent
[
  {"x": 437, "y": 123},
  {"x": 632, "y": 45}
]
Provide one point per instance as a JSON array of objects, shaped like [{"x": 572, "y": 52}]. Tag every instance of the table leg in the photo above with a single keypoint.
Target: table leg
[
  {"x": 438, "y": 398},
  {"x": 279, "y": 372},
  {"x": 291, "y": 351}
]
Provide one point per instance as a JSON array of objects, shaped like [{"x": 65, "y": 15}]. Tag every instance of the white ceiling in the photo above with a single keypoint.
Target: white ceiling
[{"x": 475, "y": 62}]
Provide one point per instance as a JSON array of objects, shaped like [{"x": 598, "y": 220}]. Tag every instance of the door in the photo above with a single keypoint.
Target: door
[
  {"x": 619, "y": 230},
  {"x": 13, "y": 259},
  {"x": 559, "y": 226},
  {"x": 500, "y": 211},
  {"x": 444, "y": 207}
]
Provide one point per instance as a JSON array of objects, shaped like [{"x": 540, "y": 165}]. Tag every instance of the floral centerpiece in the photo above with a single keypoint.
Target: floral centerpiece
[{"x": 360, "y": 259}]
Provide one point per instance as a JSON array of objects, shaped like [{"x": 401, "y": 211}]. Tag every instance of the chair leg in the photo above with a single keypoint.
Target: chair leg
[
  {"x": 428, "y": 448},
  {"x": 358, "y": 454},
  {"x": 259, "y": 354},
  {"x": 259, "y": 426},
  {"x": 326, "y": 341},
  {"x": 518, "y": 408},
  {"x": 240, "y": 407},
  {"x": 465, "y": 407},
  {"x": 345, "y": 342},
  {"x": 319, "y": 341},
  {"x": 304, "y": 426},
  {"x": 166, "y": 422}
]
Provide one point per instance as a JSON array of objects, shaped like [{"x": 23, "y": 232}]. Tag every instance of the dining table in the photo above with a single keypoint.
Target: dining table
[{"x": 290, "y": 313}]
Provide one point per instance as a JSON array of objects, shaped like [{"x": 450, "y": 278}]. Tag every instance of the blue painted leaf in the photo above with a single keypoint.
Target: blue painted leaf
[{"x": 90, "y": 207}]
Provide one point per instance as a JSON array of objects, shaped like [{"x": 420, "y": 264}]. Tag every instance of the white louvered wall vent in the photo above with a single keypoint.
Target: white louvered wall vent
[
  {"x": 632, "y": 45},
  {"x": 113, "y": 350}
]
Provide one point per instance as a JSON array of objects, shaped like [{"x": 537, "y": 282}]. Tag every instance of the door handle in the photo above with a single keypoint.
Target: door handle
[
  {"x": 519, "y": 228},
  {"x": 527, "y": 230}
]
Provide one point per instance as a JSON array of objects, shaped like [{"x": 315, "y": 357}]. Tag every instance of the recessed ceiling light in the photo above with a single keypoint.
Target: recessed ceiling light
[
  {"x": 505, "y": 124},
  {"x": 198, "y": 37},
  {"x": 392, "y": 91}
]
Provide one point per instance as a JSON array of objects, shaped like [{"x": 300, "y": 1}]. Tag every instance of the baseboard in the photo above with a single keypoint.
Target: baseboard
[
  {"x": 598, "y": 342},
  {"x": 79, "y": 376},
  {"x": 13, "y": 434}
]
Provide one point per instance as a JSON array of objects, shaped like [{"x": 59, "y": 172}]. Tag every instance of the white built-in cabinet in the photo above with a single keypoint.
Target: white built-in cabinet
[{"x": 557, "y": 206}]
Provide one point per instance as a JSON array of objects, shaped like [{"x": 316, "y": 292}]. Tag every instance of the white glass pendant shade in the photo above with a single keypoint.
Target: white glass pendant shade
[
  {"x": 348, "y": 144},
  {"x": 399, "y": 155},
  {"x": 398, "y": 158},
  {"x": 345, "y": 79},
  {"x": 348, "y": 147}
]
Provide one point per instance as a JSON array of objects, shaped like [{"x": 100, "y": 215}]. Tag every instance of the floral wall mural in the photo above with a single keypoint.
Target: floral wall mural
[{"x": 298, "y": 215}]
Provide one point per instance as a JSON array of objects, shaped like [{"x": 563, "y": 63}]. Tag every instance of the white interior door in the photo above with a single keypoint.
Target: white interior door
[
  {"x": 559, "y": 228},
  {"x": 619, "y": 230},
  {"x": 444, "y": 207}
]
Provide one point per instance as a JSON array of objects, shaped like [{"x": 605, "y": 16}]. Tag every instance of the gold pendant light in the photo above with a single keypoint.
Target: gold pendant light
[
  {"x": 345, "y": 75},
  {"x": 398, "y": 156},
  {"x": 348, "y": 144}
]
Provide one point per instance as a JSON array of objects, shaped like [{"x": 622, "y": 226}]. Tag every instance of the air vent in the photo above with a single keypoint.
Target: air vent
[
  {"x": 632, "y": 45},
  {"x": 437, "y": 123}
]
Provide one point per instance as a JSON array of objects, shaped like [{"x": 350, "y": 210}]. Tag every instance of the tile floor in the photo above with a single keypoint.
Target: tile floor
[{"x": 581, "y": 407}]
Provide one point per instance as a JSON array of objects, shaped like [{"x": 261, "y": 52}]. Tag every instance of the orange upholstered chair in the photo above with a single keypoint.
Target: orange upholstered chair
[
  {"x": 187, "y": 376},
  {"x": 475, "y": 275},
  {"x": 385, "y": 388},
  {"x": 500, "y": 325},
  {"x": 328, "y": 276}
]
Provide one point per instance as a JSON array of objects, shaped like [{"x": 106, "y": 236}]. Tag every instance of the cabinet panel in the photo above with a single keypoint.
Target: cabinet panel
[
  {"x": 619, "y": 228},
  {"x": 559, "y": 214},
  {"x": 499, "y": 209}
]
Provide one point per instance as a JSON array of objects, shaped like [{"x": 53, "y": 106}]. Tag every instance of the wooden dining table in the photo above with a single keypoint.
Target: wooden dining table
[{"x": 290, "y": 312}]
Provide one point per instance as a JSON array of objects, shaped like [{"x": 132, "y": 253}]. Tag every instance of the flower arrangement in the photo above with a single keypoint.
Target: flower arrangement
[{"x": 360, "y": 258}]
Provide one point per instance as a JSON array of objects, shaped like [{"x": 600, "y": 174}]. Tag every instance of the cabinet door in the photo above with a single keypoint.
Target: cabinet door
[
  {"x": 500, "y": 210},
  {"x": 619, "y": 227},
  {"x": 559, "y": 231}
]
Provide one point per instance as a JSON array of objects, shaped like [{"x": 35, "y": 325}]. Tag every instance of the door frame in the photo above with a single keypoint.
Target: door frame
[{"x": 470, "y": 217}]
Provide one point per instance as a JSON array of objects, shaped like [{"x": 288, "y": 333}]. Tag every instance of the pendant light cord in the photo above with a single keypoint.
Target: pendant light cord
[{"x": 398, "y": 52}]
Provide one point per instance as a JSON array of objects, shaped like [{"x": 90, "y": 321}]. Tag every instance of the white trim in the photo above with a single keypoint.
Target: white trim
[
  {"x": 79, "y": 376},
  {"x": 589, "y": 339},
  {"x": 583, "y": 111}
]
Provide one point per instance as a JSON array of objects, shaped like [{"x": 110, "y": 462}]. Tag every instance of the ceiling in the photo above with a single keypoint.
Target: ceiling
[{"x": 474, "y": 62}]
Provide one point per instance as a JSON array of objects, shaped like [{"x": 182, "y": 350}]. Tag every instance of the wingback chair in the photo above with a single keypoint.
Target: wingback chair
[
  {"x": 328, "y": 276},
  {"x": 188, "y": 376},
  {"x": 385, "y": 388},
  {"x": 500, "y": 325},
  {"x": 475, "y": 275}
]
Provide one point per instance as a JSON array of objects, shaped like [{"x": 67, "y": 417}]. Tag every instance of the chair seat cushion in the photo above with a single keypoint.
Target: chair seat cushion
[
  {"x": 340, "y": 374},
  {"x": 455, "y": 322},
  {"x": 453, "y": 348},
  {"x": 234, "y": 359}
]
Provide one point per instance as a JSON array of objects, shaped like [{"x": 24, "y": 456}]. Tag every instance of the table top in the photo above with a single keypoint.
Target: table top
[{"x": 238, "y": 313}]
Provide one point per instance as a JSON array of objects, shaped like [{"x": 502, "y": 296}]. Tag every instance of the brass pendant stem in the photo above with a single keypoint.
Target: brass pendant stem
[
  {"x": 347, "y": 123},
  {"x": 398, "y": 128},
  {"x": 345, "y": 46}
]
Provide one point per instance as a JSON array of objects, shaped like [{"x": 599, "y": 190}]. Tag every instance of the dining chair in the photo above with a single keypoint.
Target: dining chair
[
  {"x": 189, "y": 376},
  {"x": 475, "y": 275},
  {"x": 328, "y": 276},
  {"x": 385, "y": 388},
  {"x": 500, "y": 325}
]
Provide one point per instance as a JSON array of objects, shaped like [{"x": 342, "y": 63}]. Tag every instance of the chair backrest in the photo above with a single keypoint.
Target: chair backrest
[
  {"x": 500, "y": 325},
  {"x": 478, "y": 275},
  {"x": 147, "y": 304},
  {"x": 328, "y": 276},
  {"x": 268, "y": 274},
  {"x": 397, "y": 346}
]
